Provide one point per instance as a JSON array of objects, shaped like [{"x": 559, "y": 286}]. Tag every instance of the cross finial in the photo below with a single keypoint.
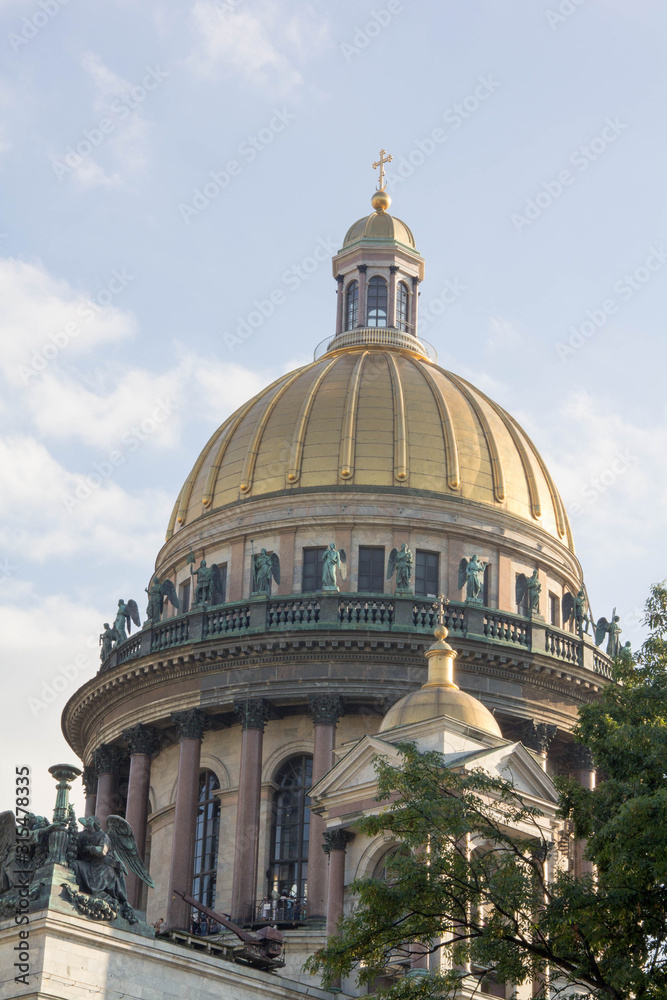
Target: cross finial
[
  {"x": 439, "y": 607},
  {"x": 384, "y": 158}
]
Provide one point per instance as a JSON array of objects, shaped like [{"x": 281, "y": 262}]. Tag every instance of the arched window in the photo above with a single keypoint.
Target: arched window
[
  {"x": 288, "y": 868},
  {"x": 377, "y": 302},
  {"x": 352, "y": 305},
  {"x": 402, "y": 299},
  {"x": 206, "y": 841}
]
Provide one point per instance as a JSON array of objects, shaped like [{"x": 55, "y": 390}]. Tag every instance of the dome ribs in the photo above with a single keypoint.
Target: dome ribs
[
  {"x": 347, "y": 442},
  {"x": 497, "y": 473},
  {"x": 253, "y": 450},
  {"x": 401, "y": 469},
  {"x": 180, "y": 510},
  {"x": 296, "y": 451},
  {"x": 451, "y": 450}
]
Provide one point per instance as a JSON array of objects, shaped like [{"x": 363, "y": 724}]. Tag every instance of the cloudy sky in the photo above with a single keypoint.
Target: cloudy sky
[{"x": 166, "y": 166}]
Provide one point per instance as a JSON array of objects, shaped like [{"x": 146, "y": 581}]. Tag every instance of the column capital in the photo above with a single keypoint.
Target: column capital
[
  {"x": 340, "y": 279},
  {"x": 107, "y": 759},
  {"x": 255, "y": 713},
  {"x": 415, "y": 281},
  {"x": 537, "y": 735},
  {"x": 190, "y": 723},
  {"x": 393, "y": 268},
  {"x": 362, "y": 268},
  {"x": 336, "y": 840},
  {"x": 579, "y": 757},
  {"x": 326, "y": 709},
  {"x": 141, "y": 739},
  {"x": 89, "y": 779}
]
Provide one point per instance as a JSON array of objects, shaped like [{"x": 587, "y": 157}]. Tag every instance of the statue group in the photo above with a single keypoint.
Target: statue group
[{"x": 127, "y": 613}]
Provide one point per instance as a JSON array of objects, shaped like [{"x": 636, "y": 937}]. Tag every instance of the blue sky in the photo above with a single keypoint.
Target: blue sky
[{"x": 165, "y": 166}]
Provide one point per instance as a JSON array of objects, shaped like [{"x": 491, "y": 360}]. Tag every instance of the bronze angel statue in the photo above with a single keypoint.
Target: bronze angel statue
[
  {"x": 528, "y": 589},
  {"x": 209, "y": 586},
  {"x": 471, "y": 576},
  {"x": 611, "y": 629},
  {"x": 158, "y": 593},
  {"x": 126, "y": 614},
  {"x": 400, "y": 562},
  {"x": 333, "y": 559},
  {"x": 576, "y": 609},
  {"x": 265, "y": 566},
  {"x": 104, "y": 859}
]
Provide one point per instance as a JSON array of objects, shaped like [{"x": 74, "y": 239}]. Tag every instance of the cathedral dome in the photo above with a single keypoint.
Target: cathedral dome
[
  {"x": 374, "y": 417},
  {"x": 379, "y": 227}
]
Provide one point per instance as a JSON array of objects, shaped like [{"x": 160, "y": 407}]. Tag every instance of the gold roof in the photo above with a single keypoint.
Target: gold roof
[
  {"x": 382, "y": 227},
  {"x": 380, "y": 418}
]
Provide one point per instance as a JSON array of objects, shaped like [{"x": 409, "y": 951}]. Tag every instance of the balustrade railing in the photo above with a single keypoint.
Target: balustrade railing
[
  {"x": 281, "y": 911},
  {"x": 226, "y": 619},
  {"x": 171, "y": 633},
  {"x": 425, "y": 616},
  {"x": 356, "y": 611},
  {"x": 130, "y": 649},
  {"x": 564, "y": 647},
  {"x": 507, "y": 628},
  {"x": 601, "y": 665},
  {"x": 291, "y": 612}
]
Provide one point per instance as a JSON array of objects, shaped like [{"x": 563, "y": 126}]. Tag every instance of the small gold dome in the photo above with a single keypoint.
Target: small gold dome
[
  {"x": 381, "y": 201},
  {"x": 379, "y": 227}
]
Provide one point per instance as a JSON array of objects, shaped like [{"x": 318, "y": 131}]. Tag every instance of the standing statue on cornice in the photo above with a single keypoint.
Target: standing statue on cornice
[
  {"x": 265, "y": 566},
  {"x": 576, "y": 608},
  {"x": 157, "y": 594},
  {"x": 106, "y": 641},
  {"x": 611, "y": 629},
  {"x": 332, "y": 560},
  {"x": 471, "y": 576},
  {"x": 126, "y": 613},
  {"x": 529, "y": 587},
  {"x": 401, "y": 563}
]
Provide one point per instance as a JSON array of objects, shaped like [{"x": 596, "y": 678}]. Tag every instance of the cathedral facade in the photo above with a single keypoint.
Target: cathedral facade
[{"x": 291, "y": 608}]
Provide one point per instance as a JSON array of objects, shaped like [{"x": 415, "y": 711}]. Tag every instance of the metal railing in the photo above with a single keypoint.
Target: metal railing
[{"x": 376, "y": 336}]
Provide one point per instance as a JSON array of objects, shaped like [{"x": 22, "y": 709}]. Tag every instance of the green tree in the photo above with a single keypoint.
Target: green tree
[{"x": 495, "y": 912}]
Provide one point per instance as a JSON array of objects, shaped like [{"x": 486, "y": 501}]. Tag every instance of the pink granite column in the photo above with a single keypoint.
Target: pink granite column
[
  {"x": 190, "y": 726},
  {"x": 254, "y": 715},
  {"x": 142, "y": 742},
  {"x": 107, "y": 762},
  {"x": 326, "y": 709},
  {"x": 339, "y": 304},
  {"x": 537, "y": 737},
  {"x": 414, "y": 317},
  {"x": 362, "y": 319},
  {"x": 335, "y": 842},
  {"x": 391, "y": 310},
  {"x": 581, "y": 763},
  {"x": 89, "y": 781}
]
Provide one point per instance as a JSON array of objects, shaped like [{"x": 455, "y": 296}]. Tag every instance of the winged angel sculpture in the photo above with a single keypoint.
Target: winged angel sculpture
[
  {"x": 611, "y": 629},
  {"x": 528, "y": 589},
  {"x": 471, "y": 576},
  {"x": 400, "y": 562},
  {"x": 265, "y": 566},
  {"x": 158, "y": 593},
  {"x": 103, "y": 860},
  {"x": 333, "y": 559},
  {"x": 576, "y": 608},
  {"x": 126, "y": 614}
]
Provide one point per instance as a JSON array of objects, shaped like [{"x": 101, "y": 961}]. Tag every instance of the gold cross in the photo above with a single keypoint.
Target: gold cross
[
  {"x": 439, "y": 606},
  {"x": 380, "y": 163}
]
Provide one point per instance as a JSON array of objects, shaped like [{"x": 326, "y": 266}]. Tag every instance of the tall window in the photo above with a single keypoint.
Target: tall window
[
  {"x": 311, "y": 575},
  {"x": 206, "y": 840},
  {"x": 377, "y": 302},
  {"x": 371, "y": 569},
  {"x": 288, "y": 868},
  {"x": 523, "y": 607},
  {"x": 486, "y": 588},
  {"x": 184, "y": 597},
  {"x": 402, "y": 300},
  {"x": 352, "y": 305},
  {"x": 554, "y": 610},
  {"x": 220, "y": 594},
  {"x": 427, "y": 573}
]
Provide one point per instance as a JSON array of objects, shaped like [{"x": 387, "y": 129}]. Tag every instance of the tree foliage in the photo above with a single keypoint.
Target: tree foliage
[{"x": 495, "y": 911}]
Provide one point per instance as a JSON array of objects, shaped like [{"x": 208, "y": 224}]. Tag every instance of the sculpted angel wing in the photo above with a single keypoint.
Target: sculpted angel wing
[
  {"x": 124, "y": 845},
  {"x": 169, "y": 591},
  {"x": 463, "y": 573},
  {"x": 601, "y": 629},
  {"x": 275, "y": 567},
  {"x": 521, "y": 582},
  {"x": 392, "y": 563},
  {"x": 568, "y": 607},
  {"x": 133, "y": 612},
  {"x": 343, "y": 563},
  {"x": 216, "y": 588},
  {"x": 7, "y": 834}
]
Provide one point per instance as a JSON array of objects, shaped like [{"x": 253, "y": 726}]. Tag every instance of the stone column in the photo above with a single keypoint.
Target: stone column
[
  {"x": 190, "y": 726},
  {"x": 326, "y": 709},
  {"x": 581, "y": 762},
  {"x": 254, "y": 715},
  {"x": 340, "y": 305},
  {"x": 391, "y": 305},
  {"x": 142, "y": 742},
  {"x": 362, "y": 318},
  {"x": 89, "y": 782},
  {"x": 107, "y": 760},
  {"x": 335, "y": 842},
  {"x": 537, "y": 737},
  {"x": 415, "y": 307}
]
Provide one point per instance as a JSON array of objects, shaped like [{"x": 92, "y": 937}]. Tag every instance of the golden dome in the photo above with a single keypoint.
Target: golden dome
[
  {"x": 380, "y": 227},
  {"x": 440, "y": 696},
  {"x": 374, "y": 418}
]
